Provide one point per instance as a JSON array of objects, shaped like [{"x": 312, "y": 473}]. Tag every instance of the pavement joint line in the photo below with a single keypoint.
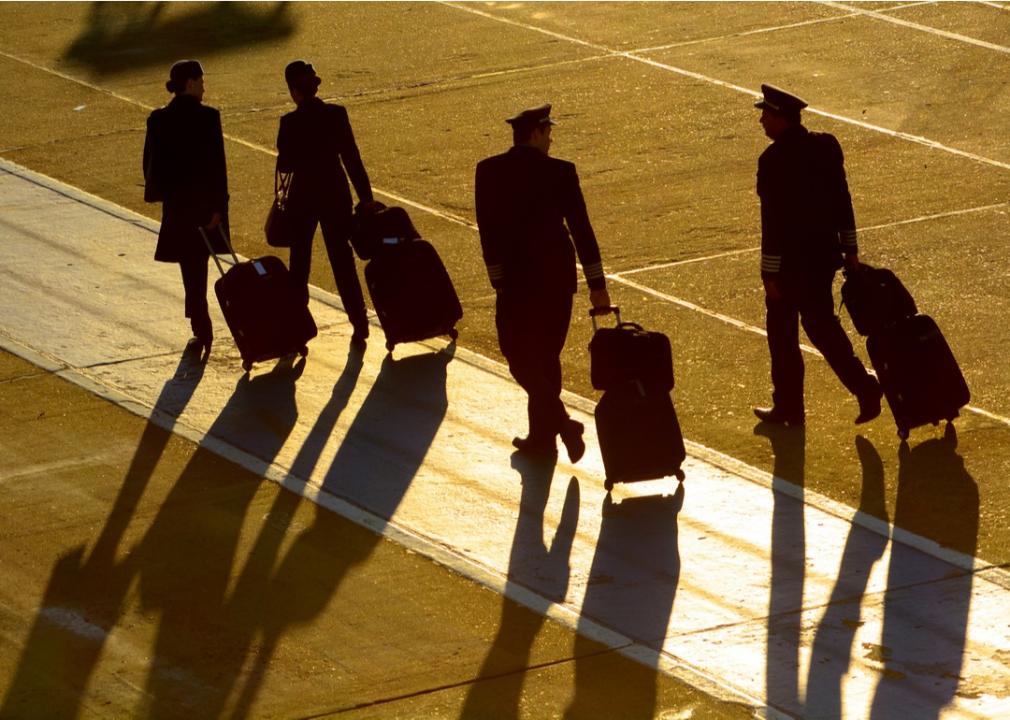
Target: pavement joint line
[
  {"x": 630, "y": 55},
  {"x": 946, "y": 34},
  {"x": 460, "y": 684}
]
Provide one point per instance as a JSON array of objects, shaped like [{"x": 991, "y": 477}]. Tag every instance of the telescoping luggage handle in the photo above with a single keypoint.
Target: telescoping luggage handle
[
  {"x": 210, "y": 248},
  {"x": 606, "y": 310}
]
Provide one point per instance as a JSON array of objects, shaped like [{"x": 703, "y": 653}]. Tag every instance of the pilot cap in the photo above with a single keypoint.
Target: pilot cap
[{"x": 779, "y": 101}]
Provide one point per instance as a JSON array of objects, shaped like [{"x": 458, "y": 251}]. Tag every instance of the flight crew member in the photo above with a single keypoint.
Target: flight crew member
[
  {"x": 184, "y": 169},
  {"x": 525, "y": 199},
  {"x": 808, "y": 232},
  {"x": 315, "y": 143}
]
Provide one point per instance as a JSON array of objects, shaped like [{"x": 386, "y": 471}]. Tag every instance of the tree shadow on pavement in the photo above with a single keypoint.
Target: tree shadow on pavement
[
  {"x": 631, "y": 588},
  {"x": 497, "y": 691},
  {"x": 925, "y": 619},
  {"x": 788, "y": 571},
  {"x": 123, "y": 36},
  {"x": 831, "y": 655},
  {"x": 88, "y": 590}
]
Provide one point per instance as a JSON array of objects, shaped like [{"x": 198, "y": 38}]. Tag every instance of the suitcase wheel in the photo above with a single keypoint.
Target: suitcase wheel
[
  {"x": 680, "y": 474},
  {"x": 247, "y": 365},
  {"x": 608, "y": 484},
  {"x": 304, "y": 351},
  {"x": 453, "y": 333},
  {"x": 390, "y": 345},
  {"x": 903, "y": 433}
]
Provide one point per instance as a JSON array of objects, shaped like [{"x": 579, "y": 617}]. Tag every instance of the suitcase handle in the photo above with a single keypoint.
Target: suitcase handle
[
  {"x": 210, "y": 249},
  {"x": 595, "y": 312}
]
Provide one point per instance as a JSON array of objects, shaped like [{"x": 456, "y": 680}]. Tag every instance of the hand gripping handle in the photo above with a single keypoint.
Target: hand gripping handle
[{"x": 604, "y": 310}]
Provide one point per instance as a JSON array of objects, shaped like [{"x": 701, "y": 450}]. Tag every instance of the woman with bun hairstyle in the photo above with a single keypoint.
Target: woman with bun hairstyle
[{"x": 184, "y": 169}]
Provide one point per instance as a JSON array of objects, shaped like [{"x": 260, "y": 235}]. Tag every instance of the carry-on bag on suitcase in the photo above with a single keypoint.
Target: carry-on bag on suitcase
[
  {"x": 875, "y": 299},
  {"x": 371, "y": 230},
  {"x": 920, "y": 377},
  {"x": 412, "y": 293},
  {"x": 639, "y": 435},
  {"x": 627, "y": 352},
  {"x": 264, "y": 314}
]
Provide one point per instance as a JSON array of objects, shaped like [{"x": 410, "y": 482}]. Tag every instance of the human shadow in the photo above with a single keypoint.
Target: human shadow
[
  {"x": 631, "y": 589},
  {"x": 374, "y": 466},
  {"x": 833, "y": 641},
  {"x": 926, "y": 616},
  {"x": 497, "y": 691},
  {"x": 788, "y": 568},
  {"x": 256, "y": 592},
  {"x": 90, "y": 588},
  {"x": 117, "y": 37},
  {"x": 186, "y": 560}
]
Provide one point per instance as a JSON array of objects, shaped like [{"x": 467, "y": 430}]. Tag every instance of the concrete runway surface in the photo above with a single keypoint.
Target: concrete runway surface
[{"x": 655, "y": 105}]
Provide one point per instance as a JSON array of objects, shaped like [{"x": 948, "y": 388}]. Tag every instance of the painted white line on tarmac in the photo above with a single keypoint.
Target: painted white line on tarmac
[
  {"x": 868, "y": 228},
  {"x": 630, "y": 55},
  {"x": 917, "y": 26}
]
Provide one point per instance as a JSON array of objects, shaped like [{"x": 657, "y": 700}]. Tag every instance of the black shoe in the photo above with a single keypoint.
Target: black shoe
[
  {"x": 571, "y": 436},
  {"x": 535, "y": 447},
  {"x": 869, "y": 403},
  {"x": 774, "y": 415}
]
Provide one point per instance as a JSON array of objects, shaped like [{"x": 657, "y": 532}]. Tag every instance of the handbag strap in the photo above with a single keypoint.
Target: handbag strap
[{"x": 282, "y": 185}]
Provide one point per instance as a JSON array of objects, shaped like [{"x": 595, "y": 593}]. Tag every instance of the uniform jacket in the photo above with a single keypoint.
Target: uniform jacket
[
  {"x": 184, "y": 167},
  {"x": 315, "y": 142},
  {"x": 525, "y": 199},
  {"x": 806, "y": 210}
]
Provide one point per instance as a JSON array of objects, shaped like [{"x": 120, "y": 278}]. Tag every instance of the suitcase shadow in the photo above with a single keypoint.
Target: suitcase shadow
[
  {"x": 631, "y": 589},
  {"x": 922, "y": 661}
]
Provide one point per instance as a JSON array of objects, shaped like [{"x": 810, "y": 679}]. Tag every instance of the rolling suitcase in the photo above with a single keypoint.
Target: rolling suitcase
[
  {"x": 264, "y": 314},
  {"x": 627, "y": 352},
  {"x": 918, "y": 373},
  {"x": 639, "y": 435},
  {"x": 875, "y": 299},
  {"x": 412, "y": 293}
]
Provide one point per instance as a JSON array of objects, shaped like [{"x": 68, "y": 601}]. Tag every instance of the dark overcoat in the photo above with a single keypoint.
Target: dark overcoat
[
  {"x": 530, "y": 209},
  {"x": 316, "y": 143},
  {"x": 184, "y": 167}
]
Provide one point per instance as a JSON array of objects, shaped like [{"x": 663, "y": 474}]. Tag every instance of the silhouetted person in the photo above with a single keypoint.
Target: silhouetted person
[
  {"x": 184, "y": 168},
  {"x": 312, "y": 143},
  {"x": 524, "y": 201},
  {"x": 807, "y": 227}
]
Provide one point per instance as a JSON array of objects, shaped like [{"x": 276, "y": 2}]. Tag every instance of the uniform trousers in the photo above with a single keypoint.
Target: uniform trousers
[
  {"x": 531, "y": 333},
  {"x": 194, "y": 283},
  {"x": 808, "y": 300},
  {"x": 336, "y": 228}
]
